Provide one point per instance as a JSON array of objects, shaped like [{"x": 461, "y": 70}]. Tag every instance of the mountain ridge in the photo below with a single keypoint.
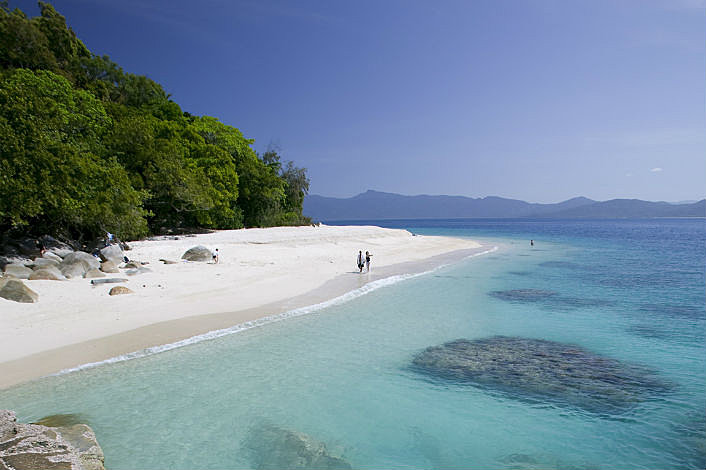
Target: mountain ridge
[{"x": 383, "y": 205}]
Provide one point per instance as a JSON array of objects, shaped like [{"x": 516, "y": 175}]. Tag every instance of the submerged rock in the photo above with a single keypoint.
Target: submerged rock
[
  {"x": 15, "y": 290},
  {"x": 58, "y": 420},
  {"x": 541, "y": 370},
  {"x": 198, "y": 253},
  {"x": 271, "y": 447},
  {"x": 33, "y": 446}
]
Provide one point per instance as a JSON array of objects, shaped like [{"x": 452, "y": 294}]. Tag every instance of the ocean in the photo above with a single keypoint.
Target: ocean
[{"x": 586, "y": 350}]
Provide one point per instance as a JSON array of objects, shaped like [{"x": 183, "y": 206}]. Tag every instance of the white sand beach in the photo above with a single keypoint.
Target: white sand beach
[{"x": 261, "y": 272}]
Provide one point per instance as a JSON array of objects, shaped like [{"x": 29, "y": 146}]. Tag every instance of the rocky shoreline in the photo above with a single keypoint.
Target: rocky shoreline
[{"x": 62, "y": 445}]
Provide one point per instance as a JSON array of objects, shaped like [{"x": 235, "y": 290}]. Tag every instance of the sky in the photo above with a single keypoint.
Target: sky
[{"x": 539, "y": 100}]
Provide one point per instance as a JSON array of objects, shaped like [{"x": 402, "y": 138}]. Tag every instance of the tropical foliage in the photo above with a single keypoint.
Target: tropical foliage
[{"x": 87, "y": 147}]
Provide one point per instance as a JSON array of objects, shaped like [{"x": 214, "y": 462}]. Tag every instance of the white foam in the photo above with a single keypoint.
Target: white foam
[{"x": 347, "y": 297}]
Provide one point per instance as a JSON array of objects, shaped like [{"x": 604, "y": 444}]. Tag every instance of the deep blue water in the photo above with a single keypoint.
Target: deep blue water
[{"x": 609, "y": 318}]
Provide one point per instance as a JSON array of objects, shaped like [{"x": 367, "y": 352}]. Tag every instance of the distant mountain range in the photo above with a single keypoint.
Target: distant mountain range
[{"x": 380, "y": 205}]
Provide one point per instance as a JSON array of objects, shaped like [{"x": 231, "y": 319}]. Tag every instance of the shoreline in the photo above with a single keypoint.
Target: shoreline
[{"x": 114, "y": 346}]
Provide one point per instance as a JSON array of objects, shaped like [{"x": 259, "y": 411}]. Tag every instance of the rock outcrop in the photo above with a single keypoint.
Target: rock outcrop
[
  {"x": 15, "y": 290},
  {"x": 541, "y": 371},
  {"x": 34, "y": 447},
  {"x": 17, "y": 271},
  {"x": 198, "y": 253},
  {"x": 270, "y": 447}
]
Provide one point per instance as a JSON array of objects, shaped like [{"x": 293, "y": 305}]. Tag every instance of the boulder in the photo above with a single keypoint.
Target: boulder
[
  {"x": 18, "y": 271},
  {"x": 132, "y": 265},
  {"x": 49, "y": 273},
  {"x": 119, "y": 290},
  {"x": 50, "y": 255},
  {"x": 77, "y": 263},
  {"x": 29, "y": 246},
  {"x": 15, "y": 290},
  {"x": 14, "y": 259},
  {"x": 109, "y": 267},
  {"x": 40, "y": 263},
  {"x": 270, "y": 447},
  {"x": 112, "y": 253},
  {"x": 140, "y": 270},
  {"x": 93, "y": 273},
  {"x": 198, "y": 253},
  {"x": 168, "y": 261},
  {"x": 33, "y": 446}
]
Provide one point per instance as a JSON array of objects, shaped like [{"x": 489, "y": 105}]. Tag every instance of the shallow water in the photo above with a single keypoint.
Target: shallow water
[{"x": 629, "y": 291}]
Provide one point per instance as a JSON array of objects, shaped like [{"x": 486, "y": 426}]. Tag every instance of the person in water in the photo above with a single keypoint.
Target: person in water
[
  {"x": 367, "y": 261},
  {"x": 361, "y": 261},
  {"x": 531, "y": 242}
]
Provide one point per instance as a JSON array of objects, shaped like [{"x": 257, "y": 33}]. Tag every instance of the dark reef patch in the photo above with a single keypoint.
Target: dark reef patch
[
  {"x": 564, "y": 265},
  {"x": 541, "y": 371},
  {"x": 549, "y": 299},
  {"x": 520, "y": 273},
  {"x": 522, "y": 295}
]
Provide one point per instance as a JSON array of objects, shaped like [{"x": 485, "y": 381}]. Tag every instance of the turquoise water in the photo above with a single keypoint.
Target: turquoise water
[{"x": 627, "y": 290}]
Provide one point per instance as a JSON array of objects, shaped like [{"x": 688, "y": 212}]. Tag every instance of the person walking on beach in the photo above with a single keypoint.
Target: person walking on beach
[
  {"x": 367, "y": 261},
  {"x": 361, "y": 261},
  {"x": 531, "y": 242}
]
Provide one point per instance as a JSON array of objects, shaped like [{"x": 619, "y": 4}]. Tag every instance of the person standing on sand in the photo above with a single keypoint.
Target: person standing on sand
[
  {"x": 361, "y": 261},
  {"x": 367, "y": 261},
  {"x": 215, "y": 256}
]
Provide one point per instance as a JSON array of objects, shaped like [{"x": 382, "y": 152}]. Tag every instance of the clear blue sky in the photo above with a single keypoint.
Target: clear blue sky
[{"x": 539, "y": 100}]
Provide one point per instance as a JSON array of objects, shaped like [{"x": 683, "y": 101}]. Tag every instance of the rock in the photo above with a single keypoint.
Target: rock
[
  {"x": 29, "y": 247},
  {"x": 50, "y": 273},
  {"x": 541, "y": 371},
  {"x": 167, "y": 261},
  {"x": 133, "y": 265},
  {"x": 109, "y": 267},
  {"x": 17, "y": 271},
  {"x": 112, "y": 253},
  {"x": 59, "y": 420},
  {"x": 119, "y": 290},
  {"x": 198, "y": 253},
  {"x": 50, "y": 255},
  {"x": 271, "y": 447},
  {"x": 40, "y": 263},
  {"x": 33, "y": 446},
  {"x": 15, "y": 290},
  {"x": 77, "y": 263},
  {"x": 93, "y": 273},
  {"x": 110, "y": 280},
  {"x": 140, "y": 270},
  {"x": 13, "y": 259}
]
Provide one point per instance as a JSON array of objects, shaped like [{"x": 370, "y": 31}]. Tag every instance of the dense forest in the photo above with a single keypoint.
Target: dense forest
[{"x": 87, "y": 148}]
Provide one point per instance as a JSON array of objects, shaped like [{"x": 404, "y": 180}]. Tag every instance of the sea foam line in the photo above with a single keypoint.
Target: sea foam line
[{"x": 297, "y": 312}]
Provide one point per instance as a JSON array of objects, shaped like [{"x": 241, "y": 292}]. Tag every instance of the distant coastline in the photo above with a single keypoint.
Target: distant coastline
[{"x": 375, "y": 205}]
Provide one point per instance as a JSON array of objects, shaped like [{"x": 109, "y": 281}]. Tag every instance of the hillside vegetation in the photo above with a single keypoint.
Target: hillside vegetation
[{"x": 88, "y": 148}]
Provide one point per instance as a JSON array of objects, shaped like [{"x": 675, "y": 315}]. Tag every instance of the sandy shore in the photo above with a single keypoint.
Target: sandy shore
[{"x": 261, "y": 272}]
